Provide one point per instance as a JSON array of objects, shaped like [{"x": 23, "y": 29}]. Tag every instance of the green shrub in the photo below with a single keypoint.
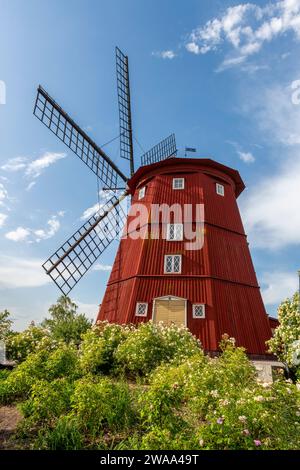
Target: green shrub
[
  {"x": 219, "y": 404},
  {"x": 64, "y": 436},
  {"x": 62, "y": 362},
  {"x": 45, "y": 364},
  {"x": 98, "y": 347},
  {"x": 99, "y": 402},
  {"x": 152, "y": 344},
  {"x": 47, "y": 401},
  {"x": 20, "y": 345}
]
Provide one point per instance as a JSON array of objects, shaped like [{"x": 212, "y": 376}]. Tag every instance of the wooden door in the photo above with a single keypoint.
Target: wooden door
[{"x": 170, "y": 311}]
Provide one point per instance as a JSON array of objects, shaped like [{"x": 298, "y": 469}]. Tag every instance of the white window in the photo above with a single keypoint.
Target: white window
[
  {"x": 141, "y": 309},
  {"x": 175, "y": 232},
  {"x": 142, "y": 192},
  {"x": 198, "y": 311},
  {"x": 220, "y": 189},
  {"x": 178, "y": 183},
  {"x": 173, "y": 264}
]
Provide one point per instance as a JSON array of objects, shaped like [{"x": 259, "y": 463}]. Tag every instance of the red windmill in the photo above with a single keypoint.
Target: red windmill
[{"x": 156, "y": 274}]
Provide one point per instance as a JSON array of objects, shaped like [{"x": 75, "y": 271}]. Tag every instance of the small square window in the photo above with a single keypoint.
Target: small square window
[
  {"x": 220, "y": 189},
  {"x": 142, "y": 192},
  {"x": 178, "y": 183},
  {"x": 141, "y": 309},
  {"x": 198, "y": 311},
  {"x": 175, "y": 232},
  {"x": 172, "y": 264}
]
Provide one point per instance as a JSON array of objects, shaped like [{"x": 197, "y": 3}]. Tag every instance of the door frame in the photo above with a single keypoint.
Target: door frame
[{"x": 170, "y": 298}]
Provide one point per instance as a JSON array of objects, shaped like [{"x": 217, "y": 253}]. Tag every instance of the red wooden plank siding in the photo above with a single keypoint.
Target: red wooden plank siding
[{"x": 220, "y": 275}]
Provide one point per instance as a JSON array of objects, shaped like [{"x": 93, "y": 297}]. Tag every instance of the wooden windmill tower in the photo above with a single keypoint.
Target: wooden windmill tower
[{"x": 212, "y": 290}]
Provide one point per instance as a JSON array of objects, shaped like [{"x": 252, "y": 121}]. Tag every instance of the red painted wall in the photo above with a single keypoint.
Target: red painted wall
[{"x": 220, "y": 275}]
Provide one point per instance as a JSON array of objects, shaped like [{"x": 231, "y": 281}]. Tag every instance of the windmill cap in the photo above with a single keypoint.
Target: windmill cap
[{"x": 182, "y": 165}]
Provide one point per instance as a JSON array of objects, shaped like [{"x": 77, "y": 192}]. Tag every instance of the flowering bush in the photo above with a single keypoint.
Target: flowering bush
[
  {"x": 20, "y": 345},
  {"x": 99, "y": 345},
  {"x": 218, "y": 404},
  {"x": 100, "y": 402},
  {"x": 152, "y": 344},
  {"x": 44, "y": 364},
  {"x": 185, "y": 399},
  {"x": 286, "y": 340},
  {"x": 47, "y": 401}
]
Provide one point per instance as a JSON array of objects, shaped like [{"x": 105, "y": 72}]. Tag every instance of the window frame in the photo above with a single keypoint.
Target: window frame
[
  {"x": 175, "y": 233},
  {"x": 196, "y": 317},
  {"x": 143, "y": 192},
  {"x": 144, "y": 315},
  {"x": 221, "y": 187},
  {"x": 174, "y": 184},
  {"x": 173, "y": 257}
]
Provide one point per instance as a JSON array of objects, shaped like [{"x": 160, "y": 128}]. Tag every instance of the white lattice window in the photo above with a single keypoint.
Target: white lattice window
[
  {"x": 178, "y": 183},
  {"x": 175, "y": 232},
  {"x": 141, "y": 309},
  {"x": 198, "y": 311},
  {"x": 142, "y": 192},
  {"x": 173, "y": 264},
  {"x": 220, "y": 189}
]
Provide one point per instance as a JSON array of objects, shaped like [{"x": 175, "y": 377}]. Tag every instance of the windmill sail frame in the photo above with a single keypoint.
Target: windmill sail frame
[
  {"x": 74, "y": 258},
  {"x": 125, "y": 118},
  {"x": 63, "y": 126},
  {"x": 161, "y": 151}
]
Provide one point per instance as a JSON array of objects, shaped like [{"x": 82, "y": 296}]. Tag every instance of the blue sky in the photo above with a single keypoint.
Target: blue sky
[{"x": 222, "y": 75}]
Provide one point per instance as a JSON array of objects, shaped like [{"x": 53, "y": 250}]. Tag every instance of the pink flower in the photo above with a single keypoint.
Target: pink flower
[
  {"x": 220, "y": 420},
  {"x": 257, "y": 442}
]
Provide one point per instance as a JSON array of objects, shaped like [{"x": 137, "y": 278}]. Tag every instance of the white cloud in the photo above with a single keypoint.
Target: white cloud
[
  {"x": 3, "y": 194},
  {"x": 30, "y": 185},
  {"x": 18, "y": 235},
  {"x": 53, "y": 225},
  {"x": 271, "y": 208},
  {"x": 3, "y": 218},
  {"x": 36, "y": 167},
  {"x": 102, "y": 267},
  {"x": 91, "y": 211},
  {"x": 245, "y": 28},
  {"x": 227, "y": 63},
  {"x": 18, "y": 272},
  {"x": 168, "y": 54},
  {"x": 15, "y": 164},
  {"x": 22, "y": 233},
  {"x": 246, "y": 157},
  {"x": 277, "y": 286},
  {"x": 275, "y": 113},
  {"x": 104, "y": 197},
  {"x": 90, "y": 310}
]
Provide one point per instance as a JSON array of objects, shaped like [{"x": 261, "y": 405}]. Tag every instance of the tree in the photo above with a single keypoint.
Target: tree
[
  {"x": 285, "y": 342},
  {"x": 65, "y": 323},
  {"x": 5, "y": 324}
]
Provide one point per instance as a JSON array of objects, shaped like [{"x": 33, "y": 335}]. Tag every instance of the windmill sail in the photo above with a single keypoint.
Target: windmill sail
[
  {"x": 60, "y": 123},
  {"x": 126, "y": 144},
  {"x": 74, "y": 258},
  {"x": 165, "y": 149}
]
